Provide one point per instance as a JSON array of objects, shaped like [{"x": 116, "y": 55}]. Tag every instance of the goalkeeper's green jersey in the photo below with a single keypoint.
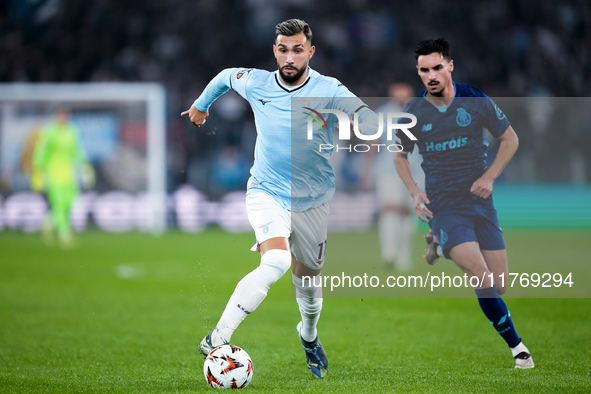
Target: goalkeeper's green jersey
[{"x": 58, "y": 153}]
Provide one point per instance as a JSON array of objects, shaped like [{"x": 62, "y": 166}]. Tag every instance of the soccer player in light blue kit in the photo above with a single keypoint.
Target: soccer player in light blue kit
[
  {"x": 458, "y": 185},
  {"x": 291, "y": 181}
]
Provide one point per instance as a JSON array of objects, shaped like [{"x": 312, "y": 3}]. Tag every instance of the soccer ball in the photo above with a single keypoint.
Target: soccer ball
[{"x": 228, "y": 366}]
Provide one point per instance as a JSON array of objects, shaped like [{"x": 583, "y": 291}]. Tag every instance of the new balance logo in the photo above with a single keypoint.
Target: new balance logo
[
  {"x": 454, "y": 143},
  {"x": 264, "y": 101},
  {"x": 427, "y": 127}
]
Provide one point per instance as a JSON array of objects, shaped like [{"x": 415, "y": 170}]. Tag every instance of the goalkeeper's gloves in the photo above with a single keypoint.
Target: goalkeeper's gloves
[
  {"x": 37, "y": 181},
  {"x": 88, "y": 176}
]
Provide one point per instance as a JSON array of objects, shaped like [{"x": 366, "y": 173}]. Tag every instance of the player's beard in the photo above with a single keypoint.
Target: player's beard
[
  {"x": 294, "y": 77},
  {"x": 438, "y": 92}
]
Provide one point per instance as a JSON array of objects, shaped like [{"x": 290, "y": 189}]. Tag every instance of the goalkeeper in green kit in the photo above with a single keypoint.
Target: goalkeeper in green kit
[{"x": 57, "y": 156}]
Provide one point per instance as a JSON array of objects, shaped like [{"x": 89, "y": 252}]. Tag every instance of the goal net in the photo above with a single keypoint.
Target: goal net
[{"x": 122, "y": 130}]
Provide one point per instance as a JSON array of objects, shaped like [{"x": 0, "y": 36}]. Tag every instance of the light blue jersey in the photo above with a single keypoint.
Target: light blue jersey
[{"x": 297, "y": 175}]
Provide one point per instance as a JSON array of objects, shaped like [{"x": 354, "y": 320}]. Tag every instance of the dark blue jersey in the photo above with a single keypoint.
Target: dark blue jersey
[{"x": 452, "y": 143}]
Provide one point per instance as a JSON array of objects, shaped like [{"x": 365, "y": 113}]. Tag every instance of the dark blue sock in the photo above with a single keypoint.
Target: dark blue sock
[{"x": 497, "y": 313}]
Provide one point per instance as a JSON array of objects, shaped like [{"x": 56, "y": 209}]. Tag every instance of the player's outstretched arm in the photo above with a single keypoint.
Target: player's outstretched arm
[
  {"x": 220, "y": 84},
  {"x": 483, "y": 186},
  {"x": 420, "y": 197},
  {"x": 197, "y": 117}
]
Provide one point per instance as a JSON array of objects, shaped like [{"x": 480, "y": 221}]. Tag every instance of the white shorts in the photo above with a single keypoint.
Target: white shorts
[
  {"x": 391, "y": 190},
  {"x": 307, "y": 230}
]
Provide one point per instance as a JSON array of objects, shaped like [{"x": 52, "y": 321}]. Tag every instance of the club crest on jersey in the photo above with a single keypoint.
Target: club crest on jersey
[
  {"x": 241, "y": 73},
  {"x": 463, "y": 118},
  {"x": 500, "y": 114}
]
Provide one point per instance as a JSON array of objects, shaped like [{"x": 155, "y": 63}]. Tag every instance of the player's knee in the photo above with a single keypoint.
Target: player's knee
[
  {"x": 480, "y": 277},
  {"x": 477, "y": 273},
  {"x": 277, "y": 259},
  {"x": 308, "y": 286}
]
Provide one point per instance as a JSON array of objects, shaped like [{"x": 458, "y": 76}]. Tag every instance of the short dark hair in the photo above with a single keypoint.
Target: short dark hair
[
  {"x": 427, "y": 47},
  {"x": 292, "y": 27}
]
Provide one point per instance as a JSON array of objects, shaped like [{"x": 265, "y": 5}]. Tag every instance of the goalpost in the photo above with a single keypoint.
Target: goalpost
[{"x": 111, "y": 112}]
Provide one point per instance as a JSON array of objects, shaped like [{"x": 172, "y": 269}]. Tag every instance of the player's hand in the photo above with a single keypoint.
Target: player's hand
[
  {"x": 37, "y": 181},
  {"x": 482, "y": 187},
  {"x": 423, "y": 213},
  {"x": 197, "y": 117}
]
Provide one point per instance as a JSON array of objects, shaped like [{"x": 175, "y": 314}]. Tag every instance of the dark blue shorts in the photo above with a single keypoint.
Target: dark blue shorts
[{"x": 473, "y": 223}]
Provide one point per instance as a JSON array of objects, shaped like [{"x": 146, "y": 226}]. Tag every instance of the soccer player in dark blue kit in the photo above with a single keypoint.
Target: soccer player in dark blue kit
[{"x": 457, "y": 201}]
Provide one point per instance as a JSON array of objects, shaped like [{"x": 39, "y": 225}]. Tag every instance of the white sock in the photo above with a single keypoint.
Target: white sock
[
  {"x": 387, "y": 226},
  {"x": 518, "y": 349},
  {"x": 404, "y": 234},
  {"x": 250, "y": 292},
  {"x": 309, "y": 298}
]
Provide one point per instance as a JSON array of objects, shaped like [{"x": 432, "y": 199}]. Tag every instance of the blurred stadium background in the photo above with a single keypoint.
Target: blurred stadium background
[{"x": 519, "y": 48}]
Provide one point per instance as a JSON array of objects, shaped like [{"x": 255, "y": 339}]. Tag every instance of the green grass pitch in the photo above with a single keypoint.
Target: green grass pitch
[{"x": 123, "y": 313}]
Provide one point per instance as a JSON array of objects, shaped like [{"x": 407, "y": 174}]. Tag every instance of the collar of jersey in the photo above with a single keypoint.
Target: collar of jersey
[
  {"x": 284, "y": 87},
  {"x": 442, "y": 109}
]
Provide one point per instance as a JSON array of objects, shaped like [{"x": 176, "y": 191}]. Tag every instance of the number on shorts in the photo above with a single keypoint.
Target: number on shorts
[{"x": 322, "y": 252}]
